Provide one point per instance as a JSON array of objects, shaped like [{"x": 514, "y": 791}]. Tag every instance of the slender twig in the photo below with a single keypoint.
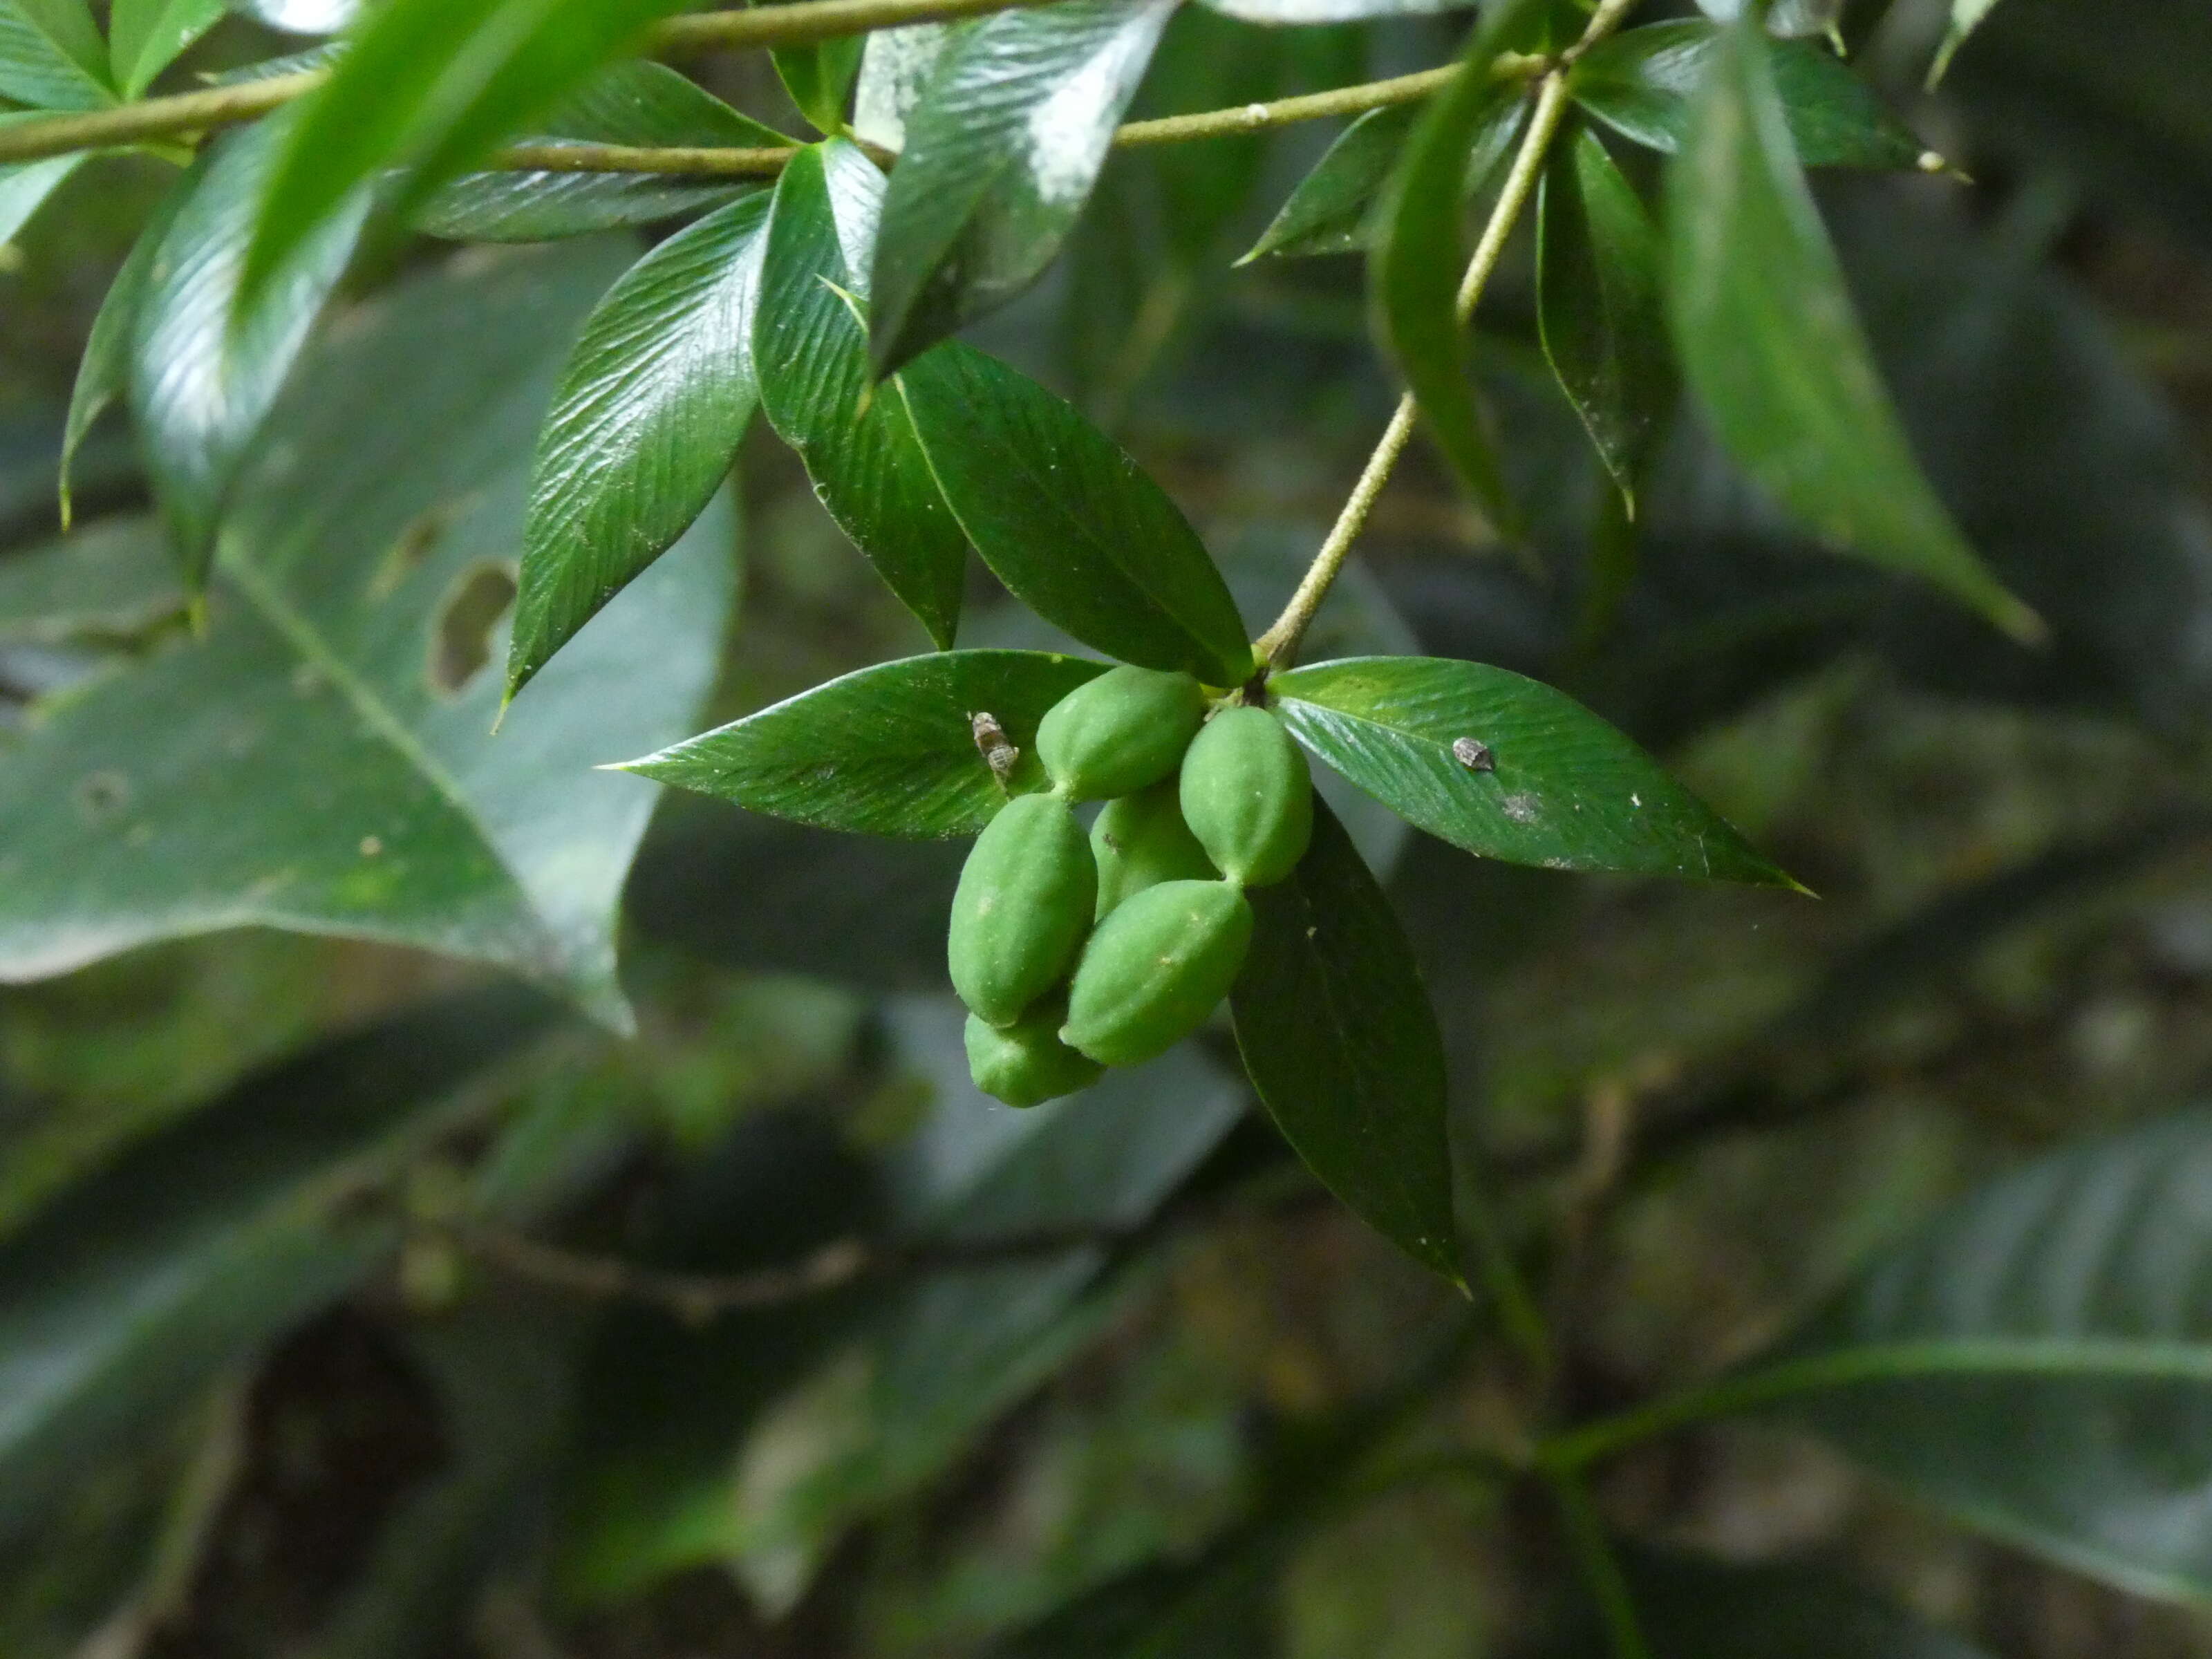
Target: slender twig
[
  {"x": 707, "y": 162},
  {"x": 1315, "y": 106},
  {"x": 1276, "y": 645},
  {"x": 1599, "y": 1567}
]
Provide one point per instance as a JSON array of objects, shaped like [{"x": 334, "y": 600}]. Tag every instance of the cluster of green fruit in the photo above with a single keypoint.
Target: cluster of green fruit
[{"x": 1075, "y": 956}]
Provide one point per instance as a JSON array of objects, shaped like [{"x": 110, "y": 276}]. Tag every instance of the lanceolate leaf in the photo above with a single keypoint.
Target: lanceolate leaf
[
  {"x": 345, "y": 681},
  {"x": 52, "y": 55},
  {"x": 124, "y": 1298},
  {"x": 1000, "y": 155},
  {"x": 103, "y": 374},
  {"x": 426, "y": 87},
  {"x": 1073, "y": 526},
  {"x": 859, "y": 446},
  {"x": 1413, "y": 274},
  {"x": 1337, "y": 1033},
  {"x": 1966, "y": 16},
  {"x": 1601, "y": 309},
  {"x": 888, "y": 751},
  {"x": 647, "y": 105},
  {"x": 1770, "y": 348},
  {"x": 202, "y": 378},
  {"x": 1639, "y": 83},
  {"x": 1327, "y": 212},
  {"x": 649, "y": 412},
  {"x": 2060, "y": 1309},
  {"x": 1509, "y": 769},
  {"x": 144, "y": 37},
  {"x": 819, "y": 77}
]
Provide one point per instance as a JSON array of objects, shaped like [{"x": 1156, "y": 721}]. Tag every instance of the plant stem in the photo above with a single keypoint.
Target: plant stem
[
  {"x": 1601, "y": 1573},
  {"x": 1280, "y": 641}
]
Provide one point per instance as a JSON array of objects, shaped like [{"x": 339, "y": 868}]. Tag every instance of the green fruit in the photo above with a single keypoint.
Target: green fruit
[
  {"x": 1141, "y": 841},
  {"x": 1115, "y": 734},
  {"x": 1022, "y": 908},
  {"x": 1155, "y": 969},
  {"x": 1027, "y": 1063},
  {"x": 1248, "y": 797}
]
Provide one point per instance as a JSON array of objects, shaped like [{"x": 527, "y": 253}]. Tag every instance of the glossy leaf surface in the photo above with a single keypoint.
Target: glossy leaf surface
[
  {"x": 340, "y": 683},
  {"x": 126, "y": 1295},
  {"x": 1601, "y": 306},
  {"x": 647, "y": 416},
  {"x": 103, "y": 372},
  {"x": 647, "y": 105},
  {"x": 2057, "y": 1308},
  {"x": 888, "y": 751},
  {"x": 1413, "y": 272},
  {"x": 895, "y": 65},
  {"x": 1074, "y": 528},
  {"x": 1339, "y": 1037},
  {"x": 819, "y": 78},
  {"x": 1776, "y": 359},
  {"x": 144, "y": 37},
  {"x": 1639, "y": 83},
  {"x": 202, "y": 378},
  {"x": 1001, "y": 155},
  {"x": 425, "y": 87},
  {"x": 811, "y": 347},
  {"x": 52, "y": 55},
  {"x": 1507, "y": 768},
  {"x": 1327, "y": 212}
]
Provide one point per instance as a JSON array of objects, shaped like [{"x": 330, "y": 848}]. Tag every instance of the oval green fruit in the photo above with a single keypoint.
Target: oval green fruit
[
  {"x": 1115, "y": 734},
  {"x": 1022, "y": 908},
  {"x": 1155, "y": 969},
  {"x": 1026, "y": 1064},
  {"x": 1140, "y": 841},
  {"x": 1248, "y": 797}
]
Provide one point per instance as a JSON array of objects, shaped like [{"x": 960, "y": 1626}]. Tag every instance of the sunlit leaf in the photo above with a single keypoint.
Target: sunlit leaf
[
  {"x": 811, "y": 346},
  {"x": 1770, "y": 348},
  {"x": 648, "y": 415},
  {"x": 1001, "y": 152},
  {"x": 1509, "y": 769},
  {"x": 1337, "y": 1033},
  {"x": 895, "y": 65},
  {"x": 888, "y": 751},
  {"x": 1600, "y": 308}
]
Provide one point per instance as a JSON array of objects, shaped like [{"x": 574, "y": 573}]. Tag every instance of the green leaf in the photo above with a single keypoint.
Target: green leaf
[
  {"x": 1338, "y": 1035},
  {"x": 113, "y": 578},
  {"x": 1787, "y": 18},
  {"x": 1966, "y": 16},
  {"x": 819, "y": 77},
  {"x": 1507, "y": 768},
  {"x": 859, "y": 446},
  {"x": 1078, "y": 530},
  {"x": 25, "y": 187},
  {"x": 895, "y": 65},
  {"x": 1413, "y": 271},
  {"x": 1601, "y": 306},
  {"x": 1692, "y": 1608},
  {"x": 1640, "y": 82},
  {"x": 648, "y": 415},
  {"x": 1301, "y": 13},
  {"x": 1770, "y": 348},
  {"x": 144, "y": 37},
  {"x": 646, "y": 105},
  {"x": 339, "y": 688},
  {"x": 2058, "y": 1308},
  {"x": 301, "y": 16},
  {"x": 945, "y": 1356},
  {"x": 1327, "y": 212},
  {"x": 126, "y": 1295},
  {"x": 203, "y": 377},
  {"x": 1000, "y": 155},
  {"x": 52, "y": 55},
  {"x": 887, "y": 750},
  {"x": 103, "y": 374},
  {"x": 426, "y": 87}
]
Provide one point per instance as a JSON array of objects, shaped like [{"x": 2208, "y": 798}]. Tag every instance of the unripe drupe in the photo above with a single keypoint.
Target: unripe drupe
[
  {"x": 1140, "y": 841},
  {"x": 1155, "y": 969},
  {"x": 1115, "y": 734},
  {"x": 1022, "y": 908},
  {"x": 1026, "y": 1064},
  {"x": 1248, "y": 797}
]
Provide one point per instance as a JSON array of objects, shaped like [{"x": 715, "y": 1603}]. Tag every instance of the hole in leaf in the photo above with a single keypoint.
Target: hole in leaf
[{"x": 461, "y": 634}]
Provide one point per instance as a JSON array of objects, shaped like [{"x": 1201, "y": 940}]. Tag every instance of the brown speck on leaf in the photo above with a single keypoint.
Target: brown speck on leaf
[
  {"x": 990, "y": 743},
  {"x": 1475, "y": 757}
]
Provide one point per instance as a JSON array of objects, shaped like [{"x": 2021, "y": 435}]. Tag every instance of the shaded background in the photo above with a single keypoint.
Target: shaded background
[{"x": 457, "y": 1365}]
